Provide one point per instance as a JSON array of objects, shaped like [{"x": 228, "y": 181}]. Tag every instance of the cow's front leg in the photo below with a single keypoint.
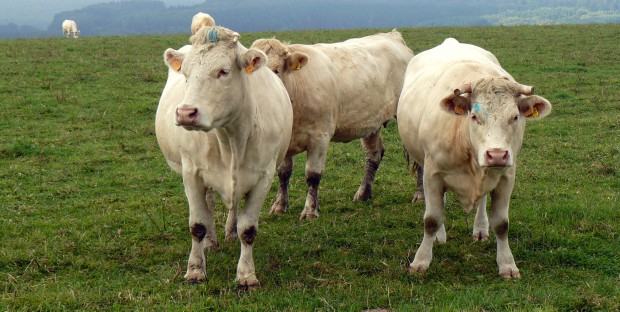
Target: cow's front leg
[
  {"x": 481, "y": 222},
  {"x": 373, "y": 146},
  {"x": 434, "y": 216},
  {"x": 201, "y": 225},
  {"x": 498, "y": 219},
  {"x": 285, "y": 171},
  {"x": 317, "y": 152},
  {"x": 248, "y": 230}
]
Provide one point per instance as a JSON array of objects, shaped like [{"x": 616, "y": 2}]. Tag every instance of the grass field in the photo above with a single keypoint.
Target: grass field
[{"x": 92, "y": 218}]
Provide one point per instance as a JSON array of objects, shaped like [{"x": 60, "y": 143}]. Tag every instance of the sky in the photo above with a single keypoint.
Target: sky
[{"x": 39, "y": 13}]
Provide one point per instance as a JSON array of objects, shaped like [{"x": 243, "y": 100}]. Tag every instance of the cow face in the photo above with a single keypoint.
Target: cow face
[
  {"x": 496, "y": 110},
  {"x": 281, "y": 61},
  {"x": 215, "y": 69}
]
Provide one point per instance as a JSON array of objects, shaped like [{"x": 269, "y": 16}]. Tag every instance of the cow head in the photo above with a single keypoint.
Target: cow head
[
  {"x": 496, "y": 109},
  {"x": 281, "y": 60},
  {"x": 215, "y": 70}
]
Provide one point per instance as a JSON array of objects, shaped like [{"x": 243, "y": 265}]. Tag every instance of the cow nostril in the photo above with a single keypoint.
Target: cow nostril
[{"x": 489, "y": 155}]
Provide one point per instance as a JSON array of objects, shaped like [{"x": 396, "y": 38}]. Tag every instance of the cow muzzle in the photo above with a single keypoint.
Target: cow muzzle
[
  {"x": 497, "y": 157},
  {"x": 186, "y": 116}
]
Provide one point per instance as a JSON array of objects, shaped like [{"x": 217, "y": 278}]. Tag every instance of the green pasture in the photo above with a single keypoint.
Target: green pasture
[{"x": 92, "y": 218}]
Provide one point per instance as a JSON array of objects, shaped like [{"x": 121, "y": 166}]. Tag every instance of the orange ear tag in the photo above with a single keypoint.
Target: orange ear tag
[
  {"x": 532, "y": 112},
  {"x": 249, "y": 69},
  {"x": 176, "y": 65},
  {"x": 298, "y": 66},
  {"x": 459, "y": 110}
]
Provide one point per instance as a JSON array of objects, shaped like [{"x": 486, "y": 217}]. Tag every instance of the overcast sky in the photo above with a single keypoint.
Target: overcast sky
[{"x": 39, "y": 13}]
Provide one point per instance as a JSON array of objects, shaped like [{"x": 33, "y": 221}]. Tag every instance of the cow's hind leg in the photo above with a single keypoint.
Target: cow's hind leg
[
  {"x": 211, "y": 236},
  {"x": 441, "y": 236},
  {"x": 481, "y": 222},
  {"x": 231, "y": 222},
  {"x": 315, "y": 163},
  {"x": 373, "y": 146},
  {"x": 285, "y": 170},
  {"x": 419, "y": 190},
  {"x": 201, "y": 226}
]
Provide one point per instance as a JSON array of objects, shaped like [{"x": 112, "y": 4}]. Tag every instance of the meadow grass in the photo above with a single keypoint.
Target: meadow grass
[{"x": 92, "y": 218}]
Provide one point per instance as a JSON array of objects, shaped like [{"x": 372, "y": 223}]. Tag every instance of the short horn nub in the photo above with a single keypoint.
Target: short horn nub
[{"x": 526, "y": 90}]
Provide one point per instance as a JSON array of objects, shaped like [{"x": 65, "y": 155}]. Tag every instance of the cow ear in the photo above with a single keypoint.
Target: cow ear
[
  {"x": 534, "y": 107},
  {"x": 456, "y": 104},
  {"x": 174, "y": 59},
  {"x": 296, "y": 61},
  {"x": 252, "y": 60}
]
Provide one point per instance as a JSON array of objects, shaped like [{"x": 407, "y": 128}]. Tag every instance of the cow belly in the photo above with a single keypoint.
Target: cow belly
[
  {"x": 361, "y": 123},
  {"x": 353, "y": 133}
]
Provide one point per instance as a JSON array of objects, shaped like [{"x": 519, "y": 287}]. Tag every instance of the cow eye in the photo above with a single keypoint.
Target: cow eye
[
  {"x": 516, "y": 118},
  {"x": 222, "y": 73}
]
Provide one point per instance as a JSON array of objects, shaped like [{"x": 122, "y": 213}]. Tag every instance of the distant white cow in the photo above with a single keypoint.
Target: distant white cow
[
  {"x": 242, "y": 119},
  {"x": 69, "y": 28},
  {"x": 340, "y": 92},
  {"x": 201, "y": 20},
  {"x": 462, "y": 117}
]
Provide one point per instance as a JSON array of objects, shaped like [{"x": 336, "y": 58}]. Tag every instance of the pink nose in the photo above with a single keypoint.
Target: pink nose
[
  {"x": 497, "y": 157},
  {"x": 187, "y": 115}
]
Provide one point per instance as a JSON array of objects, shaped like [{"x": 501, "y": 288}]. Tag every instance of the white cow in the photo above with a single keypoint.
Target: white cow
[
  {"x": 462, "y": 116},
  {"x": 340, "y": 92},
  {"x": 69, "y": 28},
  {"x": 201, "y": 20},
  {"x": 242, "y": 119}
]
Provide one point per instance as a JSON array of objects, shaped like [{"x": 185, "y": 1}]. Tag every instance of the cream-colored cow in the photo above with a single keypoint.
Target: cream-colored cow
[
  {"x": 462, "y": 116},
  {"x": 340, "y": 92},
  {"x": 201, "y": 20},
  {"x": 69, "y": 28},
  {"x": 233, "y": 125}
]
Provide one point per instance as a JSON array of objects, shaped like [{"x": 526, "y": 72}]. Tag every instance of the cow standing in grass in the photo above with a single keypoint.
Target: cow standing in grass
[
  {"x": 462, "y": 116},
  {"x": 340, "y": 92},
  {"x": 69, "y": 28},
  {"x": 233, "y": 125}
]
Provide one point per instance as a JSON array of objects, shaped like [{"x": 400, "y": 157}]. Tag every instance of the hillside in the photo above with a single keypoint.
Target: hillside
[{"x": 154, "y": 17}]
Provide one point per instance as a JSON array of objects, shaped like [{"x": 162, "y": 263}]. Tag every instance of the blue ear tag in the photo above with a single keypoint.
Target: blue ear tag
[
  {"x": 476, "y": 108},
  {"x": 212, "y": 36}
]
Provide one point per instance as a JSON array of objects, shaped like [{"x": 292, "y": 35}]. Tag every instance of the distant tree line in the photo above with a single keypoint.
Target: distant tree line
[{"x": 153, "y": 17}]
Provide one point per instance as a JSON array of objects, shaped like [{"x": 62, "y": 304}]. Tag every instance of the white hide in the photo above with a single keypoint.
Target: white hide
[
  {"x": 340, "y": 92},
  {"x": 69, "y": 28},
  {"x": 234, "y": 154},
  {"x": 467, "y": 141}
]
